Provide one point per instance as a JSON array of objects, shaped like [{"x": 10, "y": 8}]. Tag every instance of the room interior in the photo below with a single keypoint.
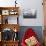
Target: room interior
[{"x": 17, "y": 16}]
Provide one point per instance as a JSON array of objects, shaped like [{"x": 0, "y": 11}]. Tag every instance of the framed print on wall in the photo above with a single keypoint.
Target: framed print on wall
[{"x": 30, "y": 13}]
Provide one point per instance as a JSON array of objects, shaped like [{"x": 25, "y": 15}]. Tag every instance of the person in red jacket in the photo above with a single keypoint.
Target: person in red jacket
[{"x": 30, "y": 38}]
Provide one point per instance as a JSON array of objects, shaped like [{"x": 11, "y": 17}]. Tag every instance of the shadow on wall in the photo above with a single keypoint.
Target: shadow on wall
[{"x": 37, "y": 29}]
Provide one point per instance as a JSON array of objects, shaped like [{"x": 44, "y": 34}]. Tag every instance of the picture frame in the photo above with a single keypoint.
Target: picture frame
[
  {"x": 5, "y": 12},
  {"x": 13, "y": 12},
  {"x": 30, "y": 13}
]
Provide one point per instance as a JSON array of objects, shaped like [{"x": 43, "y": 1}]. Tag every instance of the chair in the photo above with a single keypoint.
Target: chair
[{"x": 29, "y": 33}]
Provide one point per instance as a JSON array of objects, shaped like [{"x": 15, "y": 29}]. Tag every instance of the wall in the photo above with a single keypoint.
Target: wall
[
  {"x": 32, "y": 4},
  {"x": 27, "y": 5}
]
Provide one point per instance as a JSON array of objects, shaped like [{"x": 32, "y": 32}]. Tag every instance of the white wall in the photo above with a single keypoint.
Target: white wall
[
  {"x": 27, "y": 4},
  {"x": 32, "y": 4}
]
